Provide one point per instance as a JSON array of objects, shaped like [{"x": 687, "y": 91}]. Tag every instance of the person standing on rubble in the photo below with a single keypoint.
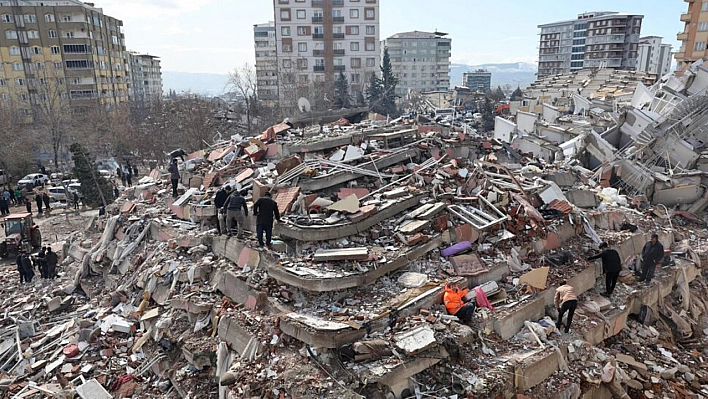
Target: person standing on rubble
[
  {"x": 174, "y": 176},
  {"x": 265, "y": 209},
  {"x": 38, "y": 200},
  {"x": 652, "y": 255},
  {"x": 45, "y": 199},
  {"x": 28, "y": 204},
  {"x": 233, "y": 205},
  {"x": 611, "y": 266},
  {"x": 565, "y": 301},
  {"x": 4, "y": 205},
  {"x": 20, "y": 267},
  {"x": 219, "y": 201},
  {"x": 42, "y": 262},
  {"x": 76, "y": 200},
  {"x": 51, "y": 260},
  {"x": 27, "y": 267},
  {"x": 455, "y": 303}
]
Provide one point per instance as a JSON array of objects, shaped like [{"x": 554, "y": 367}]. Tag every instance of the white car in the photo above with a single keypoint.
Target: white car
[
  {"x": 57, "y": 194},
  {"x": 74, "y": 188},
  {"x": 36, "y": 179}
]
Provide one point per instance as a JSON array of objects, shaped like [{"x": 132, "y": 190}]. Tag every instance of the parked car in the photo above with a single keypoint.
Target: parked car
[
  {"x": 74, "y": 188},
  {"x": 36, "y": 179},
  {"x": 106, "y": 174},
  {"x": 57, "y": 194}
]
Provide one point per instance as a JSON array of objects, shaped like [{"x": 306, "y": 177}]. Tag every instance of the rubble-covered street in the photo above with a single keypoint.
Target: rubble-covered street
[{"x": 376, "y": 219}]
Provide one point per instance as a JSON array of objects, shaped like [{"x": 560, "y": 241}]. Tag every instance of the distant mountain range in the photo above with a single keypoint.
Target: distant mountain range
[{"x": 515, "y": 74}]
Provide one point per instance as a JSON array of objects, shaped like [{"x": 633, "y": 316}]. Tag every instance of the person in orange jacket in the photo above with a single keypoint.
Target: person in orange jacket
[{"x": 455, "y": 303}]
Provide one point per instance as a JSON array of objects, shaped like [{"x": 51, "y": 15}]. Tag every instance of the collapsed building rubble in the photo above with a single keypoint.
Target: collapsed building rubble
[{"x": 377, "y": 218}]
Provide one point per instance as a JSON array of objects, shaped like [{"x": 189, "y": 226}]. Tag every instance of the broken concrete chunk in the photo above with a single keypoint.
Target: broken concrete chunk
[
  {"x": 91, "y": 389},
  {"x": 415, "y": 340}
]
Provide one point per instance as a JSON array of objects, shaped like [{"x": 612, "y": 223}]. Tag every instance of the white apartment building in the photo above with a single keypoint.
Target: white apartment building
[
  {"x": 654, "y": 56},
  {"x": 146, "y": 77},
  {"x": 604, "y": 39},
  {"x": 420, "y": 61},
  {"x": 266, "y": 61},
  {"x": 318, "y": 39}
]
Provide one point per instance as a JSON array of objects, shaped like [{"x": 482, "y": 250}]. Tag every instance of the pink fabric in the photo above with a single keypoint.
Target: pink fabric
[{"x": 482, "y": 300}]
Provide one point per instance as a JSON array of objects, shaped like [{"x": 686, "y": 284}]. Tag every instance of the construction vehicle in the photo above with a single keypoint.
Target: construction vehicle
[
  {"x": 502, "y": 109},
  {"x": 20, "y": 234}
]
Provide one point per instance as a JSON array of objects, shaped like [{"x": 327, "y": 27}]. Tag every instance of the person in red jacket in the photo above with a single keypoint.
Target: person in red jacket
[{"x": 455, "y": 303}]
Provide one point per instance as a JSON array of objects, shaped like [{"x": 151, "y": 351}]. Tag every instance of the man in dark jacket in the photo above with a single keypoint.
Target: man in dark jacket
[
  {"x": 27, "y": 268},
  {"x": 51, "y": 259},
  {"x": 652, "y": 255},
  {"x": 20, "y": 267},
  {"x": 236, "y": 208},
  {"x": 46, "y": 200},
  {"x": 38, "y": 201},
  {"x": 174, "y": 176},
  {"x": 42, "y": 262},
  {"x": 265, "y": 209},
  {"x": 611, "y": 266},
  {"x": 219, "y": 201}
]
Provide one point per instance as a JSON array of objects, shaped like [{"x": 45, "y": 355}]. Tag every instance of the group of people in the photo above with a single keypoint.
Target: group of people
[
  {"x": 126, "y": 175},
  {"x": 231, "y": 207},
  {"x": 566, "y": 299},
  {"x": 45, "y": 262},
  {"x": 9, "y": 197}
]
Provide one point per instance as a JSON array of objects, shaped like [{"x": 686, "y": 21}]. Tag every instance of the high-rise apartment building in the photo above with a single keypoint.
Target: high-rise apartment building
[
  {"x": 420, "y": 61},
  {"x": 62, "y": 48},
  {"x": 318, "y": 39},
  {"x": 146, "y": 77},
  {"x": 654, "y": 56},
  {"x": 266, "y": 61},
  {"x": 694, "y": 37},
  {"x": 604, "y": 39},
  {"x": 479, "y": 80}
]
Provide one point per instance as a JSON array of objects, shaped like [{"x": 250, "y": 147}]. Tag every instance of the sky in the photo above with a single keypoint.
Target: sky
[{"x": 216, "y": 36}]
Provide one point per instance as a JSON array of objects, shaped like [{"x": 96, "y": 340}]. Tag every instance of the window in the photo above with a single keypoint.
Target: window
[
  {"x": 301, "y": 14},
  {"x": 302, "y": 47},
  {"x": 369, "y": 13},
  {"x": 700, "y": 46},
  {"x": 578, "y": 49},
  {"x": 354, "y": 13},
  {"x": 302, "y": 30},
  {"x": 78, "y": 64},
  {"x": 57, "y": 65},
  {"x": 353, "y": 30},
  {"x": 356, "y": 63},
  {"x": 10, "y": 34},
  {"x": 302, "y": 63},
  {"x": 69, "y": 35},
  {"x": 356, "y": 78},
  {"x": 3, "y": 82},
  {"x": 33, "y": 34},
  {"x": 6, "y": 18},
  {"x": 704, "y": 7},
  {"x": 285, "y": 15},
  {"x": 576, "y": 57},
  {"x": 30, "y": 18},
  {"x": 66, "y": 18},
  {"x": 285, "y": 30},
  {"x": 371, "y": 30},
  {"x": 354, "y": 46},
  {"x": 370, "y": 46},
  {"x": 99, "y": 50},
  {"x": 48, "y": 17},
  {"x": 19, "y": 82},
  {"x": 576, "y": 64},
  {"x": 578, "y": 42},
  {"x": 40, "y": 67},
  {"x": 14, "y": 50},
  {"x": 703, "y": 26},
  {"x": 16, "y": 66},
  {"x": 76, "y": 49},
  {"x": 287, "y": 64},
  {"x": 114, "y": 39},
  {"x": 371, "y": 62},
  {"x": 36, "y": 50},
  {"x": 52, "y": 34}
]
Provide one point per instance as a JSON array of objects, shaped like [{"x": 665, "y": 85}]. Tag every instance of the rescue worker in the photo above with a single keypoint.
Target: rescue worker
[
  {"x": 38, "y": 200},
  {"x": 265, "y": 209},
  {"x": 455, "y": 303},
  {"x": 42, "y": 262},
  {"x": 565, "y": 301},
  {"x": 233, "y": 206},
  {"x": 174, "y": 176},
  {"x": 51, "y": 259},
  {"x": 219, "y": 201},
  {"x": 27, "y": 267},
  {"x": 611, "y": 266},
  {"x": 28, "y": 204},
  {"x": 652, "y": 255},
  {"x": 20, "y": 267}
]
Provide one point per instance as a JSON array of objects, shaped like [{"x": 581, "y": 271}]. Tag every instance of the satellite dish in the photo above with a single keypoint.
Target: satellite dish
[{"x": 303, "y": 105}]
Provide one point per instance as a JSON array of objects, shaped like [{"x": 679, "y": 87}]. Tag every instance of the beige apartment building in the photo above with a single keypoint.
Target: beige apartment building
[
  {"x": 60, "y": 51},
  {"x": 694, "y": 37},
  {"x": 315, "y": 40},
  {"x": 146, "y": 77}
]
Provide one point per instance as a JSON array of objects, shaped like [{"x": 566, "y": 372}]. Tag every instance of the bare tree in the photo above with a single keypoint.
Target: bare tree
[
  {"x": 49, "y": 102},
  {"x": 242, "y": 82},
  {"x": 18, "y": 144}
]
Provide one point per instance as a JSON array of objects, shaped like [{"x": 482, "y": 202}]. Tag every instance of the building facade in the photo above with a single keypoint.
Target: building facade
[
  {"x": 60, "y": 51},
  {"x": 654, "y": 56},
  {"x": 420, "y": 61},
  {"x": 479, "y": 80},
  {"x": 604, "y": 39},
  {"x": 694, "y": 37},
  {"x": 266, "y": 61},
  {"x": 146, "y": 77},
  {"x": 315, "y": 40}
]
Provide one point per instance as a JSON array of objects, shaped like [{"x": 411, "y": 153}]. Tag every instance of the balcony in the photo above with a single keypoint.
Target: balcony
[
  {"x": 682, "y": 36},
  {"x": 338, "y": 51},
  {"x": 686, "y": 17},
  {"x": 318, "y": 36},
  {"x": 318, "y": 53},
  {"x": 317, "y": 3},
  {"x": 339, "y": 68},
  {"x": 318, "y": 68},
  {"x": 317, "y": 20},
  {"x": 338, "y": 35},
  {"x": 338, "y": 20},
  {"x": 337, "y": 3}
]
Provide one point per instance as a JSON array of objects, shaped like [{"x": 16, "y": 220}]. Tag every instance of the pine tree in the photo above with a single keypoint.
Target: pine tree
[
  {"x": 373, "y": 93},
  {"x": 499, "y": 94},
  {"x": 94, "y": 187},
  {"x": 517, "y": 95},
  {"x": 341, "y": 92},
  {"x": 388, "y": 83},
  {"x": 487, "y": 111}
]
